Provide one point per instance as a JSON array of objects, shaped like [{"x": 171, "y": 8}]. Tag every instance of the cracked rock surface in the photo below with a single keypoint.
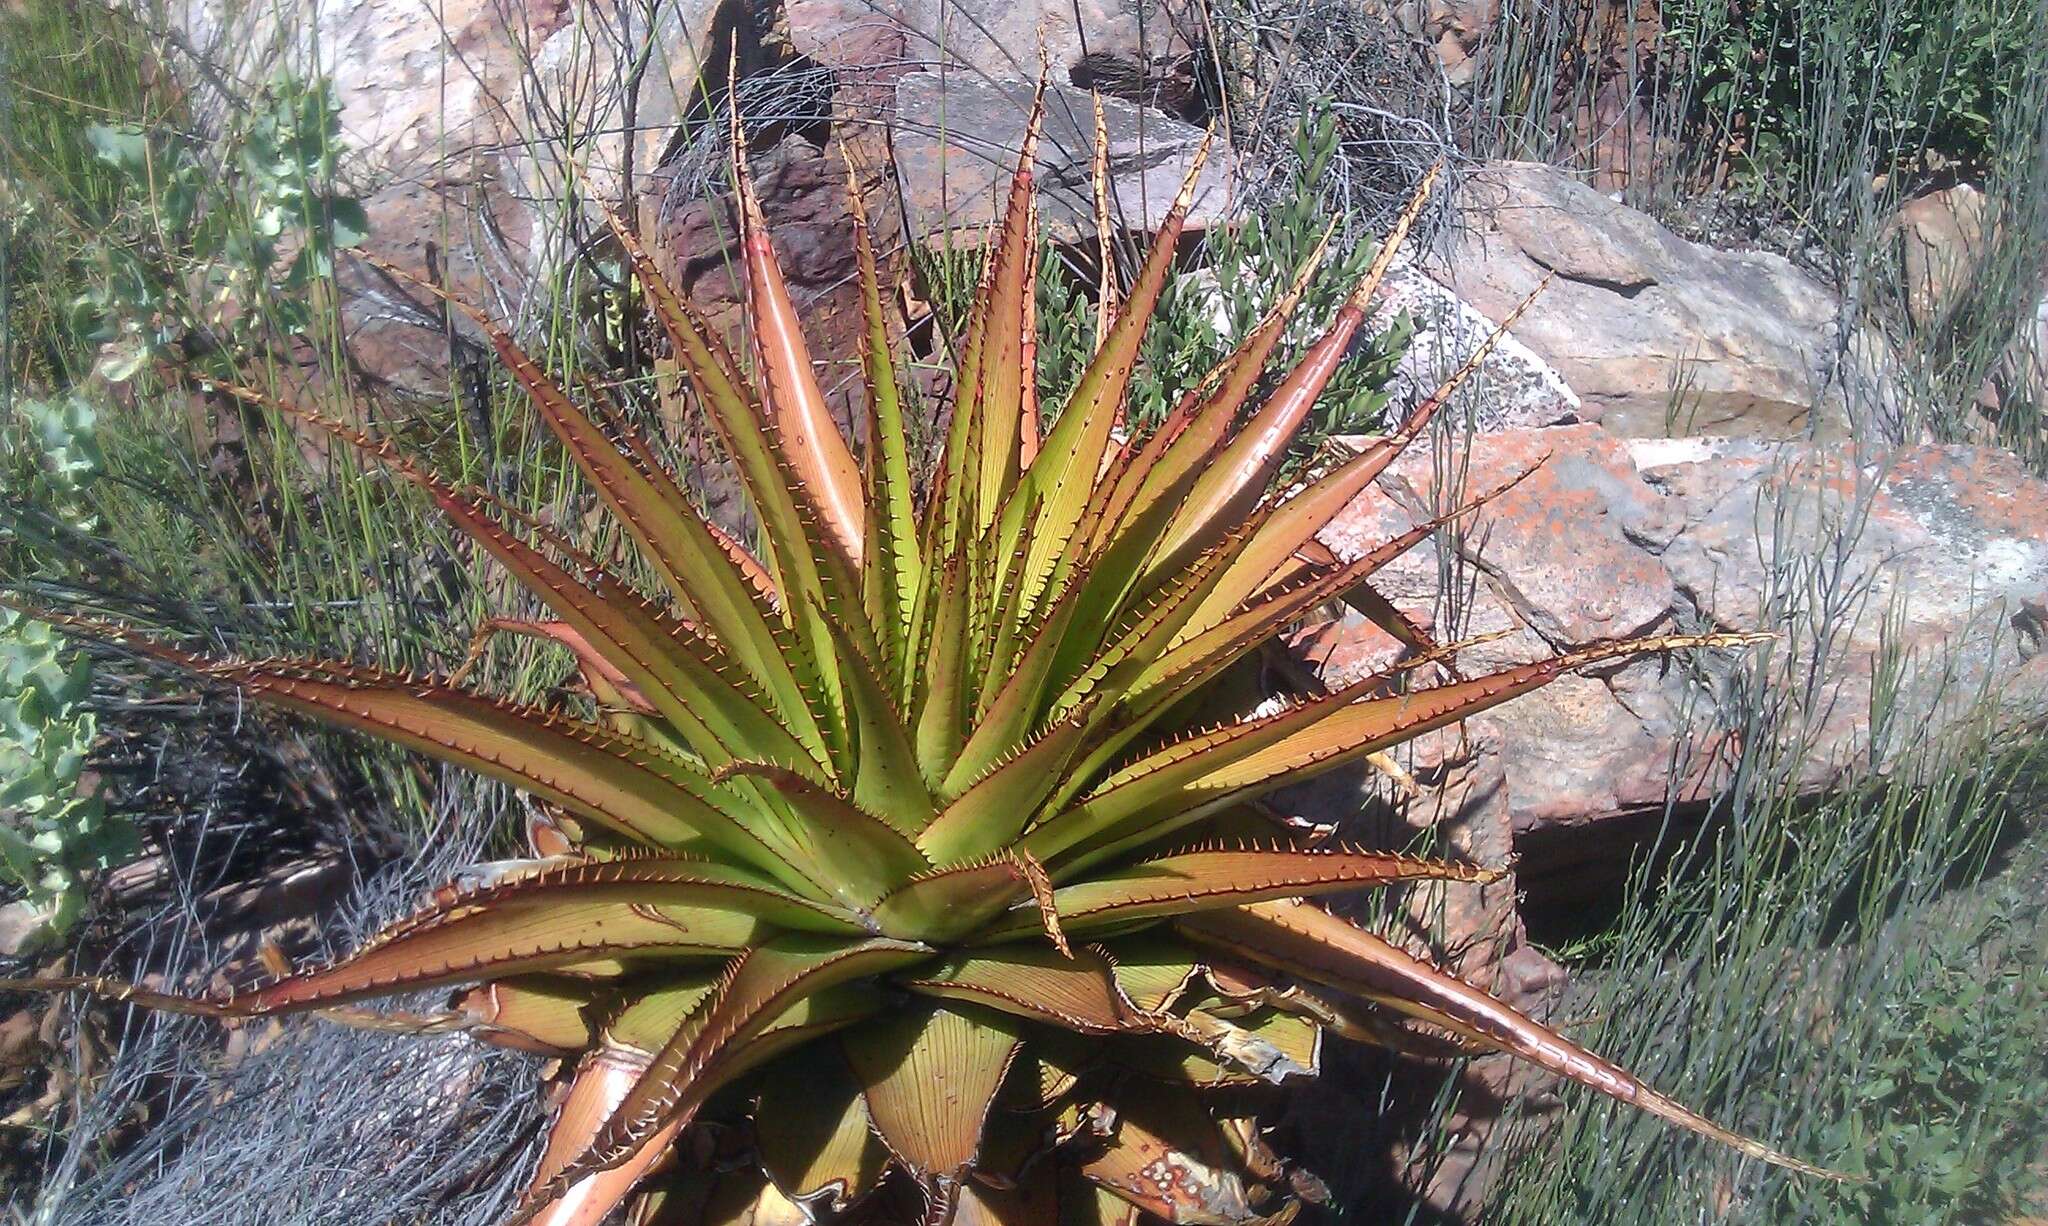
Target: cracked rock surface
[
  {"x": 1912, "y": 575},
  {"x": 1655, "y": 333}
]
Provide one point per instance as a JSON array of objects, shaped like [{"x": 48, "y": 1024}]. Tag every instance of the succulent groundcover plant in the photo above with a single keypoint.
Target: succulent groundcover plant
[{"x": 887, "y": 847}]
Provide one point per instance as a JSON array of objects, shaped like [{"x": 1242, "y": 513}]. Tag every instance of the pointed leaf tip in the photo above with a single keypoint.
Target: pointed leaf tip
[
  {"x": 1302, "y": 939},
  {"x": 805, "y": 432}
]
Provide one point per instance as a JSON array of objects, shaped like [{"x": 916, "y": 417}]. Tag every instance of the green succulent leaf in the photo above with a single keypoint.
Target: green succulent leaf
[
  {"x": 1075, "y": 990},
  {"x": 929, "y": 1077},
  {"x": 820, "y": 1149},
  {"x": 1203, "y": 880}
]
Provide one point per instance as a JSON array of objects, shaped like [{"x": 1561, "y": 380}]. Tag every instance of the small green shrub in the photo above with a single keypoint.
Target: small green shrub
[
  {"x": 133, "y": 228},
  {"x": 1920, "y": 79},
  {"x": 211, "y": 223},
  {"x": 1955, "y": 1085},
  {"x": 1894, "y": 1022},
  {"x": 1245, "y": 275},
  {"x": 61, "y": 432},
  {"x": 65, "y": 65},
  {"x": 53, "y": 832},
  {"x": 53, "y": 829}
]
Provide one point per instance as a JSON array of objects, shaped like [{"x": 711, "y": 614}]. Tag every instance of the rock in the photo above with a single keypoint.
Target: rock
[
  {"x": 866, "y": 52},
  {"x": 416, "y": 85},
  {"x": 1165, "y": 83},
  {"x": 1949, "y": 555},
  {"x": 459, "y": 123},
  {"x": 1576, "y": 483},
  {"x": 1935, "y": 558},
  {"x": 1608, "y": 537},
  {"x": 1941, "y": 238},
  {"x": 429, "y": 100},
  {"x": 1617, "y": 130},
  {"x": 1454, "y": 29},
  {"x": 956, "y": 139},
  {"x": 1005, "y": 40},
  {"x": 2020, "y": 380},
  {"x": 623, "y": 89},
  {"x": 462, "y": 166},
  {"x": 803, "y": 196},
  {"x": 1562, "y": 560},
  {"x": 23, "y": 929},
  {"x": 1612, "y": 126},
  {"x": 1655, "y": 334},
  {"x": 455, "y": 118},
  {"x": 1512, "y": 387}
]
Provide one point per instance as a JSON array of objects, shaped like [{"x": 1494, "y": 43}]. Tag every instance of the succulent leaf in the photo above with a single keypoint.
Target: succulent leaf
[
  {"x": 600, "y": 1082},
  {"x": 929, "y": 1077},
  {"x": 1168, "y": 1157},
  {"x": 819, "y": 1151},
  {"x": 894, "y": 569},
  {"x": 556, "y": 919},
  {"x": 797, "y": 415},
  {"x": 1317, "y": 945},
  {"x": 1076, "y": 991},
  {"x": 531, "y": 1013},
  {"x": 1190, "y": 881}
]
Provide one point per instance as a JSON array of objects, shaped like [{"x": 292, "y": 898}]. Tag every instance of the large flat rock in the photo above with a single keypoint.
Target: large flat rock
[
  {"x": 1658, "y": 335},
  {"x": 956, "y": 138},
  {"x": 1907, "y": 589}
]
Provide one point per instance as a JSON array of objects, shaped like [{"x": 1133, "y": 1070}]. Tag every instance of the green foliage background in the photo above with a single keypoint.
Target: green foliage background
[
  {"x": 1858, "y": 979},
  {"x": 1922, "y": 77}
]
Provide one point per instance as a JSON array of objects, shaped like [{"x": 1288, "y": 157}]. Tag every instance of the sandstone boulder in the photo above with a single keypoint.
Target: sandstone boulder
[
  {"x": 1513, "y": 386},
  {"x": 956, "y": 138},
  {"x": 1658, "y": 335},
  {"x": 1455, "y": 29},
  {"x": 1005, "y": 41},
  {"x": 609, "y": 90},
  {"x": 431, "y": 99},
  {"x": 1942, "y": 241},
  {"x": 1902, "y": 584},
  {"x": 462, "y": 120},
  {"x": 1941, "y": 238},
  {"x": 1910, "y": 589}
]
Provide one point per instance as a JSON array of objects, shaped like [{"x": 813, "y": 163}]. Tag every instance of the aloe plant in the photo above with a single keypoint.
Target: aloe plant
[{"x": 892, "y": 834}]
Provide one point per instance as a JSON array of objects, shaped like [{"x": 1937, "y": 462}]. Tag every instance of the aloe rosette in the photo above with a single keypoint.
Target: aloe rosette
[{"x": 891, "y": 835}]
